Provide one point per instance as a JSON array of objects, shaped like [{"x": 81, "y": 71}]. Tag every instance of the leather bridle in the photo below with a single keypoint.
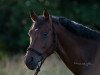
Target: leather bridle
[{"x": 53, "y": 46}]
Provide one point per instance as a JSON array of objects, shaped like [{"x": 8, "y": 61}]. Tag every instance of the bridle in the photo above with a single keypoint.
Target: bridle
[{"x": 53, "y": 46}]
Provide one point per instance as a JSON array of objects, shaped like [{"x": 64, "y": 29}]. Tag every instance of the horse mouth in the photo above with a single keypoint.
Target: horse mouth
[{"x": 33, "y": 66}]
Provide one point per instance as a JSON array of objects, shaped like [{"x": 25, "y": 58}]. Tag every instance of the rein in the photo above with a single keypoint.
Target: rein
[
  {"x": 53, "y": 46},
  {"x": 39, "y": 66}
]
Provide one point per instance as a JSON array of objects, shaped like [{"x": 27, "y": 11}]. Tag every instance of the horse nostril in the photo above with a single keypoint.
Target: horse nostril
[{"x": 31, "y": 59}]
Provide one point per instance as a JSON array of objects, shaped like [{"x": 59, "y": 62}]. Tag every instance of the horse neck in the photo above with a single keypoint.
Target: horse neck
[
  {"x": 67, "y": 43},
  {"x": 75, "y": 44},
  {"x": 70, "y": 50},
  {"x": 64, "y": 49}
]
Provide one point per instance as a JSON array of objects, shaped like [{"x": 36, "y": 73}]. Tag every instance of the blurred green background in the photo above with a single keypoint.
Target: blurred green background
[
  {"x": 15, "y": 23},
  {"x": 15, "y": 20}
]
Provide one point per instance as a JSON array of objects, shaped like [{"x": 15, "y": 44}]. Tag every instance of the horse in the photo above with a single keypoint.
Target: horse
[{"x": 78, "y": 46}]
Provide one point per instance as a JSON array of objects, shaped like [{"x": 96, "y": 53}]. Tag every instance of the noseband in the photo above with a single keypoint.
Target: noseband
[
  {"x": 53, "y": 46},
  {"x": 33, "y": 50}
]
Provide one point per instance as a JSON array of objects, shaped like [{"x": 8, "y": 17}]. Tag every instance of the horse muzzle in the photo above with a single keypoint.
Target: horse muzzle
[
  {"x": 31, "y": 63},
  {"x": 32, "y": 59}
]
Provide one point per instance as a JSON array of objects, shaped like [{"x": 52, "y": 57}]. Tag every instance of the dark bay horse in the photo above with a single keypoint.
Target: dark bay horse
[{"x": 78, "y": 46}]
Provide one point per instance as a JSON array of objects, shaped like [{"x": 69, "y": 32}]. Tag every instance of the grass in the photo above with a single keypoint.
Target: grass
[{"x": 15, "y": 66}]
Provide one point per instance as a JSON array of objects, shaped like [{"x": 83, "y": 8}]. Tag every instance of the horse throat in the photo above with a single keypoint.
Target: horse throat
[{"x": 65, "y": 58}]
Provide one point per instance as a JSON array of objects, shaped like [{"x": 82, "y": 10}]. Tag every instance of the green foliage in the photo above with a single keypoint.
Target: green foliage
[{"x": 15, "y": 21}]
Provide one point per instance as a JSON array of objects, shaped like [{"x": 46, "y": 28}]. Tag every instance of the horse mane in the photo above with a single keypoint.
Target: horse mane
[{"x": 79, "y": 29}]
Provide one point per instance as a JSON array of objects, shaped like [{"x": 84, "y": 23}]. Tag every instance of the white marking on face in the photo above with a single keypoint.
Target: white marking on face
[
  {"x": 30, "y": 40},
  {"x": 35, "y": 29}
]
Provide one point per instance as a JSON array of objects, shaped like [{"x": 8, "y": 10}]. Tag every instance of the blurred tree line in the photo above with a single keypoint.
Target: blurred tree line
[{"x": 15, "y": 21}]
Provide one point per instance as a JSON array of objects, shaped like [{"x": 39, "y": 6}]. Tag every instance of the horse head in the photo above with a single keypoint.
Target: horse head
[{"x": 42, "y": 39}]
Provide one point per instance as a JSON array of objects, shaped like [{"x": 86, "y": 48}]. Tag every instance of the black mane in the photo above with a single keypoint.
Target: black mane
[{"x": 79, "y": 29}]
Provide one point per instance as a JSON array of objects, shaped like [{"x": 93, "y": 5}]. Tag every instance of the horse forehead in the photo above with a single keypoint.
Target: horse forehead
[
  {"x": 39, "y": 23},
  {"x": 40, "y": 18}
]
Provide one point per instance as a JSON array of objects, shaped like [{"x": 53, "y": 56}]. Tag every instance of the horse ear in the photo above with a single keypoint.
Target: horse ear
[
  {"x": 46, "y": 14},
  {"x": 33, "y": 15}
]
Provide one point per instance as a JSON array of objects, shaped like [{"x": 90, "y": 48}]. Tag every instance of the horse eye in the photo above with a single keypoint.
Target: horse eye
[{"x": 45, "y": 34}]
